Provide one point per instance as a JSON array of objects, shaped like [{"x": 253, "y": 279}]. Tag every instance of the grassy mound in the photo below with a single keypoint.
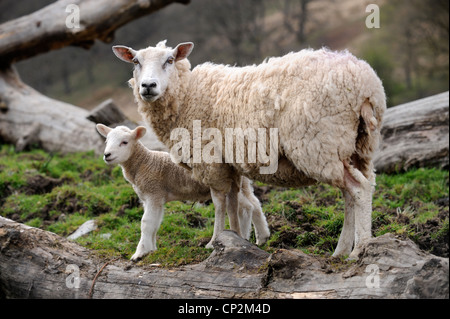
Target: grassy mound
[{"x": 59, "y": 193}]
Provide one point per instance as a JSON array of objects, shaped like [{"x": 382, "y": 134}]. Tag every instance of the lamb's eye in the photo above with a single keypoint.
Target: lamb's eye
[
  {"x": 135, "y": 61},
  {"x": 170, "y": 60},
  {"x": 123, "y": 143}
]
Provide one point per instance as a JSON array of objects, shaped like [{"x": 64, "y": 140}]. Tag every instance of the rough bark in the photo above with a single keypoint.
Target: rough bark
[
  {"x": 39, "y": 264},
  {"x": 46, "y": 29},
  {"x": 55, "y": 125},
  {"x": 415, "y": 134}
]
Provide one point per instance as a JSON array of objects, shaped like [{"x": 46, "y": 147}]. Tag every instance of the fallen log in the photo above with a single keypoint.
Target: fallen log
[
  {"x": 39, "y": 264},
  {"x": 53, "y": 26},
  {"x": 415, "y": 134},
  {"x": 28, "y": 118},
  {"x": 54, "y": 125}
]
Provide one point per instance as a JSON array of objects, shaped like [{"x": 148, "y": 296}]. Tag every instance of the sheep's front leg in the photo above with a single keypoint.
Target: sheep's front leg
[
  {"x": 151, "y": 220},
  {"x": 219, "y": 200}
]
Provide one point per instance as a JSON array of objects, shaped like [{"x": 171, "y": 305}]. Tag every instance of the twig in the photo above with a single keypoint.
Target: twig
[{"x": 98, "y": 273}]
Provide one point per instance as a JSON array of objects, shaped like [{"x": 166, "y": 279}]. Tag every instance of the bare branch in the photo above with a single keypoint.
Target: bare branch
[{"x": 46, "y": 29}]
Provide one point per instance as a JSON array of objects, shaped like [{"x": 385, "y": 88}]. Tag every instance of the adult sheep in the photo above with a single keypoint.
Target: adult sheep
[{"x": 324, "y": 107}]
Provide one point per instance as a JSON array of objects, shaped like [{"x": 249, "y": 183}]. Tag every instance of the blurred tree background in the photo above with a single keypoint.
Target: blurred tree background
[{"x": 410, "y": 50}]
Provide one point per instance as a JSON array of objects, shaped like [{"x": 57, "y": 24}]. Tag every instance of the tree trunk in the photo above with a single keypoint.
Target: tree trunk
[
  {"x": 58, "y": 126},
  {"x": 54, "y": 26},
  {"x": 415, "y": 134},
  {"x": 39, "y": 264}
]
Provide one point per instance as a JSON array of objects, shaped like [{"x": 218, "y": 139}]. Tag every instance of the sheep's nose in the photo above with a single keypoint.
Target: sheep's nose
[
  {"x": 107, "y": 155},
  {"x": 149, "y": 85}
]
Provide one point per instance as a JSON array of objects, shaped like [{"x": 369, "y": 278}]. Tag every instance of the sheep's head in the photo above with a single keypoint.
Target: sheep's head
[
  {"x": 154, "y": 67},
  {"x": 120, "y": 142}
]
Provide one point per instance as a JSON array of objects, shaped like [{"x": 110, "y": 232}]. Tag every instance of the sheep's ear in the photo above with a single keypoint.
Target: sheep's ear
[
  {"x": 139, "y": 132},
  {"x": 183, "y": 50},
  {"x": 124, "y": 53},
  {"x": 103, "y": 129}
]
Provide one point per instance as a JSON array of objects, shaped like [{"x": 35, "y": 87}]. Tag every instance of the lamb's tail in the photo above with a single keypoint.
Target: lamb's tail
[{"x": 368, "y": 138}]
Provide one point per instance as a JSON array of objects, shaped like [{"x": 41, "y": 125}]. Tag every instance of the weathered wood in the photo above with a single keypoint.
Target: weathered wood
[
  {"x": 415, "y": 134},
  {"x": 46, "y": 29},
  {"x": 60, "y": 126},
  {"x": 39, "y": 264},
  {"x": 107, "y": 113},
  {"x": 28, "y": 117}
]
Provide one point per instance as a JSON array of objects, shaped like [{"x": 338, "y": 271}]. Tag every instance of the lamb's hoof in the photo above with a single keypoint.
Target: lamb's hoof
[
  {"x": 136, "y": 258},
  {"x": 262, "y": 241},
  {"x": 210, "y": 245},
  {"x": 139, "y": 255}
]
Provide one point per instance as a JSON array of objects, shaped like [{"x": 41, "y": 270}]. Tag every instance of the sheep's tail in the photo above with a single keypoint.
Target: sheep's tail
[{"x": 368, "y": 137}]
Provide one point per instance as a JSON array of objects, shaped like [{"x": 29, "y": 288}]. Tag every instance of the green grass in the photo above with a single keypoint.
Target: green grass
[{"x": 309, "y": 219}]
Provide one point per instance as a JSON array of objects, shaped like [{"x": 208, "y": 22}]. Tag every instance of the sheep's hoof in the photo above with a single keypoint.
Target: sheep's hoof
[
  {"x": 136, "y": 258},
  {"x": 210, "y": 245},
  {"x": 354, "y": 255}
]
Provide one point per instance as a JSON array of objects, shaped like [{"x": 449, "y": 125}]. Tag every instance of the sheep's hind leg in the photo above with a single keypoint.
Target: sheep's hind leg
[
  {"x": 359, "y": 190},
  {"x": 151, "y": 220},
  {"x": 347, "y": 237}
]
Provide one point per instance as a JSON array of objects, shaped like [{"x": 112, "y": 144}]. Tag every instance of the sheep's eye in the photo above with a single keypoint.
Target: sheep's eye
[
  {"x": 123, "y": 143},
  {"x": 135, "y": 61},
  {"x": 170, "y": 60}
]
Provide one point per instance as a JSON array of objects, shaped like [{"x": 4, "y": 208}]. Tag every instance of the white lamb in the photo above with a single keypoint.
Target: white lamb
[
  {"x": 157, "y": 180},
  {"x": 324, "y": 109}
]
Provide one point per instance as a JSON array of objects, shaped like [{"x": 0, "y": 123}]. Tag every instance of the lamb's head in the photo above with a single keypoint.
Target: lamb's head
[
  {"x": 120, "y": 142},
  {"x": 155, "y": 67}
]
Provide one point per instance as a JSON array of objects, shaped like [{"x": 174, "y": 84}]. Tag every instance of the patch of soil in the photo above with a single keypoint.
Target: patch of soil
[
  {"x": 286, "y": 239},
  {"x": 431, "y": 238},
  {"x": 39, "y": 184},
  {"x": 196, "y": 220}
]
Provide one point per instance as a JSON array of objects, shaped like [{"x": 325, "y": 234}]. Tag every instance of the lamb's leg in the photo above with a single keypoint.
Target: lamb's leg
[
  {"x": 219, "y": 200},
  {"x": 245, "y": 216},
  {"x": 151, "y": 220},
  {"x": 233, "y": 208},
  {"x": 262, "y": 231}
]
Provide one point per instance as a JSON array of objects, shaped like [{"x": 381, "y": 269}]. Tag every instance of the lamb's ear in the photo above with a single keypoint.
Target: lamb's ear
[
  {"x": 124, "y": 53},
  {"x": 103, "y": 129},
  {"x": 139, "y": 132},
  {"x": 183, "y": 50}
]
